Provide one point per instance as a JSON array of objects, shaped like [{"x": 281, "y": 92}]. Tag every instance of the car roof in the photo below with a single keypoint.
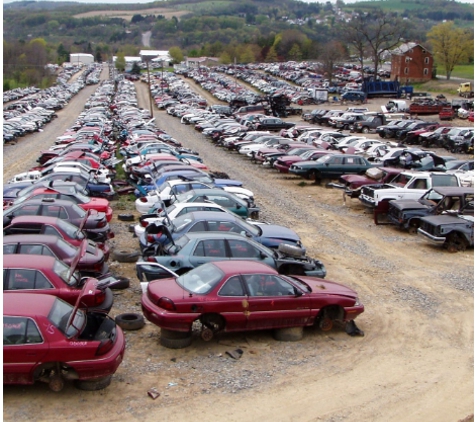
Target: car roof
[
  {"x": 55, "y": 201},
  {"x": 28, "y": 304},
  {"x": 453, "y": 190},
  {"x": 34, "y": 219},
  {"x": 48, "y": 239},
  {"x": 242, "y": 266},
  {"x": 34, "y": 262},
  {"x": 207, "y": 215}
]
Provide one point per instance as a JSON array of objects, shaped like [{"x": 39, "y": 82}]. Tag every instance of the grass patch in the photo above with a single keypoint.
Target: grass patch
[
  {"x": 463, "y": 71},
  {"x": 302, "y": 184}
]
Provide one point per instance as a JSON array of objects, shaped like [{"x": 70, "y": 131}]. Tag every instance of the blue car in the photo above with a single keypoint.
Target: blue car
[{"x": 269, "y": 235}]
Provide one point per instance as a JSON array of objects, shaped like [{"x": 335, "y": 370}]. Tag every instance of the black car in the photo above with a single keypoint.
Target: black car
[{"x": 272, "y": 123}]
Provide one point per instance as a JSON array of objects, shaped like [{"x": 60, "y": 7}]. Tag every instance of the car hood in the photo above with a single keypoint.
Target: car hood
[
  {"x": 320, "y": 286},
  {"x": 273, "y": 231},
  {"x": 409, "y": 205}
]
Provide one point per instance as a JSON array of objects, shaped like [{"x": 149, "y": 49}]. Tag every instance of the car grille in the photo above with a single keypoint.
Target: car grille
[
  {"x": 429, "y": 228},
  {"x": 367, "y": 192}
]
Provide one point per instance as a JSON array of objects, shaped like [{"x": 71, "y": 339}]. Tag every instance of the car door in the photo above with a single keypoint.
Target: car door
[
  {"x": 233, "y": 298},
  {"x": 208, "y": 250},
  {"x": 351, "y": 165},
  {"x": 275, "y": 303},
  {"x": 148, "y": 271},
  {"x": 23, "y": 348}
]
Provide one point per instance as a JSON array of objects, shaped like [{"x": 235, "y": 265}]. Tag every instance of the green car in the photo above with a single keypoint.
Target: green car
[
  {"x": 331, "y": 166},
  {"x": 241, "y": 207}
]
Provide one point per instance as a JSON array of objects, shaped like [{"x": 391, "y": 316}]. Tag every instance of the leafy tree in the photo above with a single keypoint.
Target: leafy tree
[
  {"x": 450, "y": 45},
  {"x": 295, "y": 53},
  {"x": 247, "y": 55},
  {"x": 120, "y": 62},
  {"x": 271, "y": 55},
  {"x": 225, "y": 58},
  {"x": 135, "y": 69},
  {"x": 63, "y": 54},
  {"x": 176, "y": 54}
]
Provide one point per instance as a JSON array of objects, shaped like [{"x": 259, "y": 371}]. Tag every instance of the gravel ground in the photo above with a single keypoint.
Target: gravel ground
[{"x": 414, "y": 363}]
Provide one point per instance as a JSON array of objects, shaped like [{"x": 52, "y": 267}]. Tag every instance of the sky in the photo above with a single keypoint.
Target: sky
[{"x": 149, "y": 1}]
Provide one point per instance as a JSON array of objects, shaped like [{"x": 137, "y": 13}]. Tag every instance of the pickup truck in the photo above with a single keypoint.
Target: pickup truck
[
  {"x": 406, "y": 185},
  {"x": 371, "y": 122},
  {"x": 407, "y": 213},
  {"x": 453, "y": 233}
]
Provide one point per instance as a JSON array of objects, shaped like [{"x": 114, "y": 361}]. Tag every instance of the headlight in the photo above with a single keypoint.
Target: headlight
[{"x": 357, "y": 302}]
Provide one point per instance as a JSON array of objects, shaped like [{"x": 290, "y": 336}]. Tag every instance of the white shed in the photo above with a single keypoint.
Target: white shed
[{"x": 84, "y": 58}]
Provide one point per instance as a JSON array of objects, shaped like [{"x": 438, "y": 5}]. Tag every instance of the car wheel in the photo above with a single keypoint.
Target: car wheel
[
  {"x": 455, "y": 243},
  {"x": 412, "y": 229},
  {"x": 288, "y": 334},
  {"x": 125, "y": 255},
  {"x": 93, "y": 385},
  {"x": 291, "y": 250},
  {"x": 365, "y": 129},
  {"x": 315, "y": 176},
  {"x": 175, "y": 339},
  {"x": 325, "y": 323},
  {"x": 130, "y": 321}
]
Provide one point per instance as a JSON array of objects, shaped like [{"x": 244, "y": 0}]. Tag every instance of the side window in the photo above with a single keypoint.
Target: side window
[
  {"x": 223, "y": 201},
  {"x": 211, "y": 247},
  {"x": 21, "y": 279},
  {"x": 32, "y": 333},
  {"x": 337, "y": 160},
  {"x": 28, "y": 210},
  {"x": 268, "y": 285},
  {"x": 9, "y": 249},
  {"x": 71, "y": 198},
  {"x": 51, "y": 230},
  {"x": 242, "y": 249},
  {"x": 232, "y": 287},
  {"x": 14, "y": 330},
  {"x": 35, "y": 250},
  {"x": 224, "y": 226},
  {"x": 419, "y": 184},
  {"x": 200, "y": 226}
]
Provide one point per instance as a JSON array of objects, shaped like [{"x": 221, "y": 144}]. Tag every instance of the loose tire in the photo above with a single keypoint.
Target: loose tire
[
  {"x": 288, "y": 334},
  {"x": 130, "y": 321},
  {"x": 175, "y": 339},
  {"x": 93, "y": 385},
  {"x": 126, "y": 217},
  {"x": 291, "y": 250},
  {"x": 122, "y": 283},
  {"x": 125, "y": 255}
]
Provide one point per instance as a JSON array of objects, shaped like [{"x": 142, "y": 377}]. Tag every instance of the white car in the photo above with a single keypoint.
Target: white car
[
  {"x": 174, "y": 211},
  {"x": 176, "y": 187}
]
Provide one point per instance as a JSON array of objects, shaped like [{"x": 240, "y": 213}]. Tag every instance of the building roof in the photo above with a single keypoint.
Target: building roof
[{"x": 406, "y": 47}]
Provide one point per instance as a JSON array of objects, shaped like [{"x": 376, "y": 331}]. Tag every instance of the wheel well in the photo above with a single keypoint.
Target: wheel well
[
  {"x": 214, "y": 321},
  {"x": 334, "y": 312},
  {"x": 43, "y": 371}
]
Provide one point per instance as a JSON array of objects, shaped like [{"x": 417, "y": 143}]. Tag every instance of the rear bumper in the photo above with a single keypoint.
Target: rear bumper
[{"x": 165, "y": 319}]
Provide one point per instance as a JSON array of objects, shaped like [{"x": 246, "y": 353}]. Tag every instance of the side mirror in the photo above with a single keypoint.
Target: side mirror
[{"x": 297, "y": 292}]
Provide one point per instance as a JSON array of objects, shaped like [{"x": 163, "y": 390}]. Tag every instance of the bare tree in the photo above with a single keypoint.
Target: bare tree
[
  {"x": 376, "y": 33},
  {"x": 330, "y": 54}
]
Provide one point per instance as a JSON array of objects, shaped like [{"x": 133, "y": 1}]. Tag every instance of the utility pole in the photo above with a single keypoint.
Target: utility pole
[{"x": 150, "y": 89}]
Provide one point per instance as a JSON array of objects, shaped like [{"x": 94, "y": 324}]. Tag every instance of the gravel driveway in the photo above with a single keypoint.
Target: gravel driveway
[{"x": 414, "y": 363}]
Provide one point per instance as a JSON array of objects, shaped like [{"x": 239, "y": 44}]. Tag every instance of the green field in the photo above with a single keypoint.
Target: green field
[{"x": 463, "y": 71}]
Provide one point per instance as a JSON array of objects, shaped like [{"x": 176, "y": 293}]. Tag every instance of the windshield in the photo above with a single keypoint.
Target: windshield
[
  {"x": 70, "y": 229},
  {"x": 200, "y": 280},
  {"x": 307, "y": 154},
  {"x": 59, "y": 317},
  {"x": 64, "y": 272},
  {"x": 68, "y": 250},
  {"x": 180, "y": 223}
]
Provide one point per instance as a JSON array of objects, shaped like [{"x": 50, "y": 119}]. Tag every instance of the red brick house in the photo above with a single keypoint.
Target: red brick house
[{"x": 411, "y": 62}]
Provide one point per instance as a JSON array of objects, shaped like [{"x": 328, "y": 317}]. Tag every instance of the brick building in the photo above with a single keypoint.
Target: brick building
[{"x": 411, "y": 62}]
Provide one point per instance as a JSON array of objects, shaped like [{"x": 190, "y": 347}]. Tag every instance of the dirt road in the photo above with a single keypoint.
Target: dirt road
[{"x": 415, "y": 362}]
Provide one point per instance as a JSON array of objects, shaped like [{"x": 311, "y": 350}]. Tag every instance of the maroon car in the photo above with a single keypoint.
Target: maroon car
[
  {"x": 39, "y": 224},
  {"x": 241, "y": 296},
  {"x": 48, "y": 275},
  {"x": 49, "y": 340},
  {"x": 91, "y": 260}
]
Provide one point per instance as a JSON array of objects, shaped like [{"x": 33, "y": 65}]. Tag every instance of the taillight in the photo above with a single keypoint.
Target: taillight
[
  {"x": 144, "y": 223},
  {"x": 143, "y": 199},
  {"x": 151, "y": 238},
  {"x": 99, "y": 297},
  {"x": 101, "y": 224},
  {"x": 97, "y": 267},
  {"x": 166, "y": 303},
  {"x": 151, "y": 259},
  {"x": 104, "y": 347}
]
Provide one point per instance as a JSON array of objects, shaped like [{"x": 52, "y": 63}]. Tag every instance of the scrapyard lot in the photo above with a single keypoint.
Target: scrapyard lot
[{"x": 414, "y": 363}]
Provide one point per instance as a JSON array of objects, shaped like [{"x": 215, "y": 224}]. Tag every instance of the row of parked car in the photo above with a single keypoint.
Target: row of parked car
[
  {"x": 376, "y": 172},
  {"x": 56, "y": 231}
]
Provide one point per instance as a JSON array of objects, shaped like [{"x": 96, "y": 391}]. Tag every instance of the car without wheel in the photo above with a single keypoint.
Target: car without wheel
[
  {"x": 49, "y": 340},
  {"x": 239, "y": 296}
]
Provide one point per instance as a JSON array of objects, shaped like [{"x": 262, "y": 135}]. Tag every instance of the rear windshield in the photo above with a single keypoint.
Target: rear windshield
[
  {"x": 444, "y": 180},
  {"x": 60, "y": 314}
]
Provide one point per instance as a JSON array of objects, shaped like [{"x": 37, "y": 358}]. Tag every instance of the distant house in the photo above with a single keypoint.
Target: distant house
[
  {"x": 155, "y": 55},
  {"x": 411, "y": 62},
  {"x": 197, "y": 62}
]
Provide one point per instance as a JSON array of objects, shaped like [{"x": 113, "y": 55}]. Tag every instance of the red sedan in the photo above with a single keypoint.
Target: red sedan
[
  {"x": 243, "y": 295},
  {"x": 46, "y": 339}
]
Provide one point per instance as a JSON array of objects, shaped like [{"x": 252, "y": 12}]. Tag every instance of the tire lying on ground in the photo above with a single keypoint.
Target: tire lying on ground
[
  {"x": 126, "y": 217},
  {"x": 122, "y": 283},
  {"x": 93, "y": 385},
  {"x": 125, "y": 255},
  {"x": 130, "y": 321},
  {"x": 174, "y": 339},
  {"x": 291, "y": 250}
]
